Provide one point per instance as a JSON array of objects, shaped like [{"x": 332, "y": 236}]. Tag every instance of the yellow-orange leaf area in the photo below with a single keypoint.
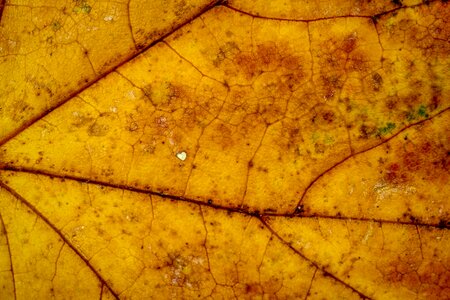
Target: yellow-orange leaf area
[{"x": 240, "y": 149}]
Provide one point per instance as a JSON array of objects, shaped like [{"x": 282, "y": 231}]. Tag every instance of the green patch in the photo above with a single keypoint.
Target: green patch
[
  {"x": 322, "y": 139},
  {"x": 420, "y": 112},
  {"x": 315, "y": 136},
  {"x": 386, "y": 129},
  {"x": 328, "y": 140},
  {"x": 82, "y": 7},
  {"x": 411, "y": 116}
]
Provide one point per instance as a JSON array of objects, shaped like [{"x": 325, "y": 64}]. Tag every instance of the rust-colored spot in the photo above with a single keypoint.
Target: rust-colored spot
[{"x": 349, "y": 43}]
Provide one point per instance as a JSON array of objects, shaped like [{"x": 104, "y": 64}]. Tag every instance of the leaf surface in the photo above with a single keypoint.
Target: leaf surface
[{"x": 222, "y": 150}]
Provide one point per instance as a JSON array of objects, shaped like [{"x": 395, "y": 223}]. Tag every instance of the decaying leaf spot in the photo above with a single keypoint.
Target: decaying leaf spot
[
  {"x": 81, "y": 6},
  {"x": 52, "y": 51},
  {"x": 224, "y": 149}
]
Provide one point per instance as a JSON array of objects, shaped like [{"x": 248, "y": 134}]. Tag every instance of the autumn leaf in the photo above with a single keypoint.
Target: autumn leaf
[{"x": 228, "y": 149}]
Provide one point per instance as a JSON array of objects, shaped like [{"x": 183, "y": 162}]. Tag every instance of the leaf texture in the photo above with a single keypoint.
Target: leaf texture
[{"x": 236, "y": 149}]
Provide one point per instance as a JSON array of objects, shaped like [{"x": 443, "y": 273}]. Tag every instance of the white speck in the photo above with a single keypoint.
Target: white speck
[
  {"x": 75, "y": 114},
  {"x": 368, "y": 234},
  {"x": 161, "y": 121},
  {"x": 131, "y": 95},
  {"x": 108, "y": 18},
  {"x": 384, "y": 190},
  {"x": 182, "y": 155},
  {"x": 351, "y": 189},
  {"x": 44, "y": 133},
  {"x": 77, "y": 230},
  {"x": 113, "y": 109},
  {"x": 198, "y": 260},
  {"x": 307, "y": 245}
]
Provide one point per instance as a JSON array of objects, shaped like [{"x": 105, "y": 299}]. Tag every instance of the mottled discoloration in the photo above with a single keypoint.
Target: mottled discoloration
[{"x": 308, "y": 156}]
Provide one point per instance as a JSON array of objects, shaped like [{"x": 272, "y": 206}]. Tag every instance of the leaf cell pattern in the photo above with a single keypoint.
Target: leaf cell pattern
[{"x": 227, "y": 149}]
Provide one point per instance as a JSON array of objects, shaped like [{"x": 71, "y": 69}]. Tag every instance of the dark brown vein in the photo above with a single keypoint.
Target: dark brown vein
[
  {"x": 296, "y": 209},
  {"x": 211, "y": 204},
  {"x": 56, "y": 261},
  {"x": 135, "y": 54},
  {"x": 360, "y": 219},
  {"x": 131, "y": 25},
  {"x": 363, "y": 296},
  {"x": 205, "y": 244},
  {"x": 101, "y": 293},
  {"x": 310, "y": 284},
  {"x": 55, "y": 229},
  {"x": 376, "y": 16},
  {"x": 10, "y": 255},
  {"x": 192, "y": 64},
  {"x": 2, "y": 7}
]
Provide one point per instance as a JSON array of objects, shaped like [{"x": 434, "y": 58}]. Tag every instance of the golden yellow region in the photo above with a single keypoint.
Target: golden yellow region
[{"x": 224, "y": 149}]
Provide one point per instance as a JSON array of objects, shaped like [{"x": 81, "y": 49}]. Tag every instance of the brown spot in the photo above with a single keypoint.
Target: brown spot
[
  {"x": 357, "y": 62},
  {"x": 391, "y": 103},
  {"x": 319, "y": 148},
  {"x": 412, "y": 161},
  {"x": 367, "y": 131},
  {"x": 262, "y": 169},
  {"x": 267, "y": 55},
  {"x": 349, "y": 43},
  {"x": 324, "y": 116},
  {"x": 328, "y": 116},
  {"x": 393, "y": 174},
  {"x": 81, "y": 120},
  {"x": 377, "y": 82},
  {"x": 175, "y": 93},
  {"x": 423, "y": 159},
  {"x": 293, "y": 79},
  {"x": 162, "y": 122},
  {"x": 250, "y": 164},
  {"x": 147, "y": 90},
  {"x": 253, "y": 289},
  {"x": 223, "y": 136},
  {"x": 398, "y": 271},
  {"x": 247, "y": 64},
  {"x": 181, "y": 8},
  {"x": 219, "y": 59},
  {"x": 331, "y": 84},
  {"x": 97, "y": 129},
  {"x": 20, "y": 109},
  {"x": 133, "y": 126}
]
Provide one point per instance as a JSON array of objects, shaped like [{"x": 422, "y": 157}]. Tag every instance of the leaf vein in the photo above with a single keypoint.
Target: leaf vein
[{"x": 57, "y": 231}]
